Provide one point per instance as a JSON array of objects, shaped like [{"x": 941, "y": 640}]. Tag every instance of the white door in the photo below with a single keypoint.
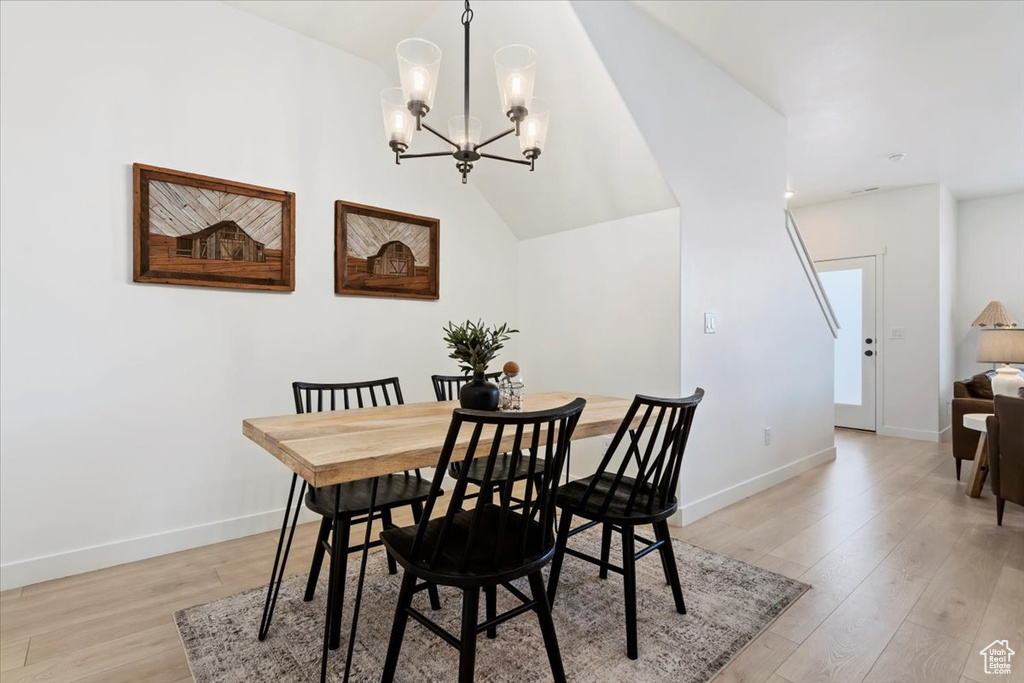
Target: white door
[{"x": 850, "y": 285}]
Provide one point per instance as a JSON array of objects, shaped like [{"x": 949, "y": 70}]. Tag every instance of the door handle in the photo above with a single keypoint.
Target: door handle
[
  {"x": 868, "y": 340},
  {"x": 869, "y": 353}
]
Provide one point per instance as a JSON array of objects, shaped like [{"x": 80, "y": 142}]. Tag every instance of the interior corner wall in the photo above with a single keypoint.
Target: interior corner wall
[
  {"x": 123, "y": 402},
  {"x": 769, "y": 365},
  {"x": 948, "y": 277},
  {"x": 990, "y": 267},
  {"x": 902, "y": 229}
]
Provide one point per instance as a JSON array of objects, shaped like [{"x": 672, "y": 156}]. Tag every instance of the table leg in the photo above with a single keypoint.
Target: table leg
[
  {"x": 280, "y": 561},
  {"x": 980, "y": 469}
]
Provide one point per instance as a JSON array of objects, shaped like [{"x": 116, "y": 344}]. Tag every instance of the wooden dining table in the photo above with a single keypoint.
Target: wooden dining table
[{"x": 334, "y": 447}]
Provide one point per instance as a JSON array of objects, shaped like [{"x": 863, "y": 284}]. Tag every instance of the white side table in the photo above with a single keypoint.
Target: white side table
[{"x": 976, "y": 421}]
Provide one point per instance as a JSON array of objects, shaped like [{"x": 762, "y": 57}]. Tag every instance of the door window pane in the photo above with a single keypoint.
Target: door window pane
[{"x": 845, "y": 289}]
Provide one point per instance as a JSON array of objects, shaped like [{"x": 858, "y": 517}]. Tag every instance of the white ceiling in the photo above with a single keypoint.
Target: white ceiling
[
  {"x": 596, "y": 165},
  {"x": 942, "y": 82},
  {"x": 366, "y": 29}
]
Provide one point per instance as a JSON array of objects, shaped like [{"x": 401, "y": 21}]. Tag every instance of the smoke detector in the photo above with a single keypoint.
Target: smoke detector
[{"x": 896, "y": 157}]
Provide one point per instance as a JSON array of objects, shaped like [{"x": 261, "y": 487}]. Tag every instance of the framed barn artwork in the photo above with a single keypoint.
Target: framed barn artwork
[
  {"x": 378, "y": 252},
  {"x": 195, "y": 230}
]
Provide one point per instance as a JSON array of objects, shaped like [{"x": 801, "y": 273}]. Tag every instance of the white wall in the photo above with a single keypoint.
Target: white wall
[
  {"x": 602, "y": 307},
  {"x": 601, "y": 304},
  {"x": 723, "y": 153},
  {"x": 117, "y": 442},
  {"x": 902, "y": 229},
  {"x": 990, "y": 265}
]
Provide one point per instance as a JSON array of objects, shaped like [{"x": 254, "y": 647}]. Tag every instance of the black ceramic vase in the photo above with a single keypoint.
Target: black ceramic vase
[{"x": 479, "y": 394}]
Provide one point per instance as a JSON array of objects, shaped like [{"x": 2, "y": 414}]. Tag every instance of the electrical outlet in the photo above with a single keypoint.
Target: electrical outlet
[{"x": 767, "y": 436}]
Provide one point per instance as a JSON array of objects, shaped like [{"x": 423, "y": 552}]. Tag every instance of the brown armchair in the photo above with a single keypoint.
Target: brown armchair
[
  {"x": 972, "y": 395},
  {"x": 1006, "y": 452}
]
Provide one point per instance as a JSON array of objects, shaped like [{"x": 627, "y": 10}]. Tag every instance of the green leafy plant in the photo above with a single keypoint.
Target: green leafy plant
[{"x": 475, "y": 345}]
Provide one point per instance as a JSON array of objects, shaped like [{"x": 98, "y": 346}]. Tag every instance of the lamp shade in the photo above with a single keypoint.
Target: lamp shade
[
  {"x": 994, "y": 315},
  {"x": 398, "y": 122},
  {"x": 534, "y": 129},
  {"x": 516, "y": 69},
  {"x": 457, "y": 130},
  {"x": 418, "y": 63},
  {"x": 1004, "y": 345}
]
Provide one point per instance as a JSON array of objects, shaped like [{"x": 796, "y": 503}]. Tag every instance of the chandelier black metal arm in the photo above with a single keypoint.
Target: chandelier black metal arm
[{"x": 468, "y": 152}]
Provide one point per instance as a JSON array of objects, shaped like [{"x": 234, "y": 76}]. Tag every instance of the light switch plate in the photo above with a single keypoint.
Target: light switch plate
[
  {"x": 709, "y": 323},
  {"x": 896, "y": 333}
]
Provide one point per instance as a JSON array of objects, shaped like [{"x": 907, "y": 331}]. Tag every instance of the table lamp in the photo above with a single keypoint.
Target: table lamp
[{"x": 1003, "y": 345}]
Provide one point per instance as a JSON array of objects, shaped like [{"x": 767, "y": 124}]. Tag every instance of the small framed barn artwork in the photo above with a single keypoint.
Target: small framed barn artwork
[
  {"x": 378, "y": 252},
  {"x": 195, "y": 230}
]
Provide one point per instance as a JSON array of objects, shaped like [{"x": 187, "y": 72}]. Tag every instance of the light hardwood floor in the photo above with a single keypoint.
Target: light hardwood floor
[{"x": 911, "y": 579}]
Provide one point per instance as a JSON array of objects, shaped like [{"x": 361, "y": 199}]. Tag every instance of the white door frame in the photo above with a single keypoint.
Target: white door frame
[{"x": 881, "y": 333}]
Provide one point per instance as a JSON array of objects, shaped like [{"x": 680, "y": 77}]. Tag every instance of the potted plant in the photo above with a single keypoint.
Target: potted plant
[{"x": 474, "y": 346}]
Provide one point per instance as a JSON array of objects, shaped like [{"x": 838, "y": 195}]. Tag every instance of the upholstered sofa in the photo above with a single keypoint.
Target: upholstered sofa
[
  {"x": 1006, "y": 460},
  {"x": 972, "y": 395}
]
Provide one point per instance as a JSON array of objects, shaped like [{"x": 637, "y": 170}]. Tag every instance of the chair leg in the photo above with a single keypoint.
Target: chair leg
[
  {"x": 318, "y": 558},
  {"x": 331, "y": 588},
  {"x": 387, "y": 523},
  {"x": 547, "y": 627},
  {"x": 668, "y": 562},
  {"x": 467, "y": 649},
  {"x": 564, "y": 526},
  {"x": 958, "y": 463},
  {"x": 398, "y": 627},
  {"x": 491, "y": 597},
  {"x": 435, "y": 599},
  {"x": 629, "y": 586},
  {"x": 1000, "y": 503},
  {"x": 339, "y": 567},
  {"x": 606, "y": 548}
]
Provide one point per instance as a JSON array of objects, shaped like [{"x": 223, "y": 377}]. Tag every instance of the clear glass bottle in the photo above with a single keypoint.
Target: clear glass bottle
[
  {"x": 504, "y": 393},
  {"x": 516, "y": 385}
]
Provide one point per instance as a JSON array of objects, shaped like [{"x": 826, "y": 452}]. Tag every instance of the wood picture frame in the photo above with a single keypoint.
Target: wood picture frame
[
  {"x": 380, "y": 252},
  {"x": 196, "y": 230}
]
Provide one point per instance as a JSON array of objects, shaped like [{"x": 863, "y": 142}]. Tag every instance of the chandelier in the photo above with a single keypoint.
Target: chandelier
[{"x": 405, "y": 108}]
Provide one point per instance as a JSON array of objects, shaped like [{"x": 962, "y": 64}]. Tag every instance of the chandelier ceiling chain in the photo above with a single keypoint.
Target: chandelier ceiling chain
[{"x": 405, "y": 108}]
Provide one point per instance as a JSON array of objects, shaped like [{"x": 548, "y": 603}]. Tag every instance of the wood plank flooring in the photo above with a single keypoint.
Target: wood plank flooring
[{"x": 911, "y": 579}]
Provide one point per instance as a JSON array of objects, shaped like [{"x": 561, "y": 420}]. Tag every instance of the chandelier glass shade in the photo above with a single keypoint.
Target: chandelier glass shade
[{"x": 405, "y": 108}]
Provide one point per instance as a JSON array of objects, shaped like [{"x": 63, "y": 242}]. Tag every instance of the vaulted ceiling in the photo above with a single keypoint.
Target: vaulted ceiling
[
  {"x": 942, "y": 82},
  {"x": 596, "y": 165}
]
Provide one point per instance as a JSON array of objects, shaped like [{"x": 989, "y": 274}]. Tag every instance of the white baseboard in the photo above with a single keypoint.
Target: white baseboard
[
  {"x": 946, "y": 435},
  {"x": 691, "y": 512},
  {"x": 81, "y": 560},
  {"x": 78, "y": 561},
  {"x": 916, "y": 434}
]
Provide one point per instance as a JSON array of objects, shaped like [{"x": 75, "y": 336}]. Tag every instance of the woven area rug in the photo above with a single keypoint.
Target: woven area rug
[{"x": 728, "y": 603}]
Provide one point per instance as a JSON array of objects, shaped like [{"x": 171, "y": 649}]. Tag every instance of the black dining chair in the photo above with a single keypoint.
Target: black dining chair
[
  {"x": 393, "y": 491},
  {"x": 446, "y": 388},
  {"x": 620, "y": 503},
  {"x": 491, "y": 544}
]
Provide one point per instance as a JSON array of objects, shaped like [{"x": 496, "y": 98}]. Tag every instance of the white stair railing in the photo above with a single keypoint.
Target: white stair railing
[{"x": 812, "y": 273}]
